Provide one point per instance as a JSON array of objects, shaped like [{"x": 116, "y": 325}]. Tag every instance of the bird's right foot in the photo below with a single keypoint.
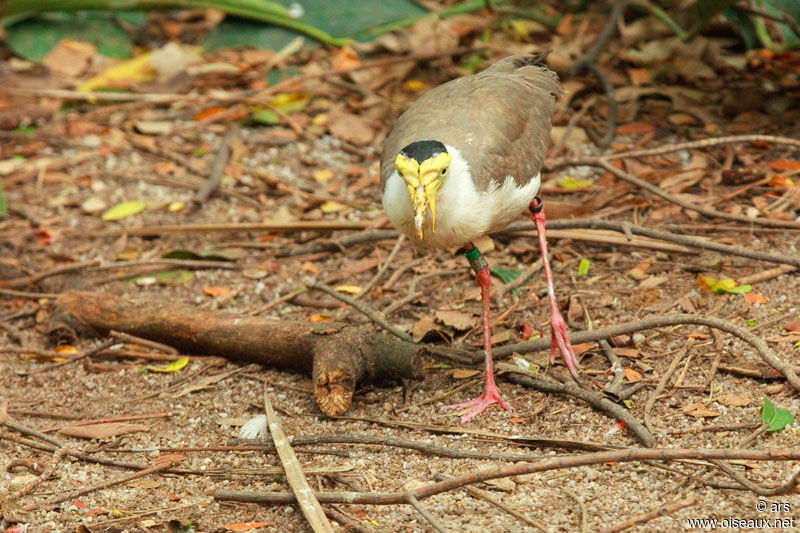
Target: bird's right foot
[{"x": 490, "y": 395}]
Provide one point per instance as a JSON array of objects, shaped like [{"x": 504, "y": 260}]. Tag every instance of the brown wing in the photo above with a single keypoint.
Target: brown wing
[{"x": 499, "y": 119}]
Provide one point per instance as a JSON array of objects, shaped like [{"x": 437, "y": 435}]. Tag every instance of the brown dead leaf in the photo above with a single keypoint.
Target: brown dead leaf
[
  {"x": 103, "y": 431},
  {"x": 734, "y": 400},
  {"x": 639, "y": 76},
  {"x": 574, "y": 310},
  {"x": 635, "y": 128},
  {"x": 463, "y": 373},
  {"x": 357, "y": 267},
  {"x": 506, "y": 484},
  {"x": 698, "y": 410},
  {"x": 630, "y": 353},
  {"x": 351, "y": 128},
  {"x": 639, "y": 272},
  {"x": 632, "y": 375},
  {"x": 345, "y": 58},
  {"x": 653, "y": 281},
  {"x": 583, "y": 347},
  {"x": 424, "y": 325},
  {"x": 69, "y": 58},
  {"x": 456, "y": 319},
  {"x": 308, "y": 266},
  {"x": 687, "y": 304},
  {"x": 794, "y": 325},
  {"x": 785, "y": 337}
]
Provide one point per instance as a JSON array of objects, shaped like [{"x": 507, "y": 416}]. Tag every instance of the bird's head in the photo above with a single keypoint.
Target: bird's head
[{"x": 423, "y": 166}]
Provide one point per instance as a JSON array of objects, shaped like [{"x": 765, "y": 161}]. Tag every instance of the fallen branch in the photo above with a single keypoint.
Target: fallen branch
[
  {"x": 764, "y": 351},
  {"x": 555, "y": 463},
  {"x": 337, "y": 356},
  {"x": 596, "y": 399}
]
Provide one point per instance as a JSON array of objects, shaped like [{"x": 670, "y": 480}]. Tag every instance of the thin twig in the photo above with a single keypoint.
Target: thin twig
[
  {"x": 483, "y": 495},
  {"x": 218, "y": 168},
  {"x": 26, "y": 294},
  {"x": 657, "y": 513},
  {"x": 427, "y": 515},
  {"x": 309, "y": 505},
  {"x": 685, "y": 240},
  {"x": 602, "y": 39},
  {"x": 366, "y": 311},
  {"x": 383, "y": 268},
  {"x": 598, "y": 400},
  {"x": 61, "y": 269},
  {"x": 662, "y": 384},
  {"x": 86, "y": 353},
  {"x": 133, "y": 339},
  {"x": 160, "y": 467},
  {"x": 350, "y": 438}
]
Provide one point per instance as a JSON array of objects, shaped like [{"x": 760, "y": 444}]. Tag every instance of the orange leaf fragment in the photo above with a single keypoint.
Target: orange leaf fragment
[
  {"x": 635, "y": 128},
  {"x": 319, "y": 317},
  {"x": 246, "y": 526},
  {"x": 209, "y": 112},
  {"x": 784, "y": 164},
  {"x": 755, "y": 298},
  {"x": 79, "y": 504},
  {"x": 215, "y": 291},
  {"x": 779, "y": 181},
  {"x": 632, "y": 375}
]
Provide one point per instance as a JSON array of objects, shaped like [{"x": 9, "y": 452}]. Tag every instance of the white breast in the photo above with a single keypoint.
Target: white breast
[{"x": 462, "y": 212}]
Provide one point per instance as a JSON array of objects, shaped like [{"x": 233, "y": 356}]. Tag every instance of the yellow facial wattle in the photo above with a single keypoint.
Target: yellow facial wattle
[{"x": 423, "y": 181}]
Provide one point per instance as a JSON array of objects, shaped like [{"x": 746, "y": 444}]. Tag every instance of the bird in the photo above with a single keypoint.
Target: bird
[{"x": 464, "y": 161}]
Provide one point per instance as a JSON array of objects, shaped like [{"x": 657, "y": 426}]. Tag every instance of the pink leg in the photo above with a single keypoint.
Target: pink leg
[
  {"x": 490, "y": 393},
  {"x": 559, "y": 340}
]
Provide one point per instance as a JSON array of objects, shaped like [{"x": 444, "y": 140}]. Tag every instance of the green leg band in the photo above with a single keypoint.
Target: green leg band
[{"x": 476, "y": 260}]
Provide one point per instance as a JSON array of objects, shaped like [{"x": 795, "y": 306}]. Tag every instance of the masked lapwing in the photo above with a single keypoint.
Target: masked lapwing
[{"x": 464, "y": 161}]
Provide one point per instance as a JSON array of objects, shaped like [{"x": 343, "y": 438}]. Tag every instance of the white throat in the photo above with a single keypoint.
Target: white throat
[{"x": 463, "y": 213}]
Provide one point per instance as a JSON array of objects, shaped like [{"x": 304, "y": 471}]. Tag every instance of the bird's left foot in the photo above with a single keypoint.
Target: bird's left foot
[
  {"x": 490, "y": 395},
  {"x": 559, "y": 342}
]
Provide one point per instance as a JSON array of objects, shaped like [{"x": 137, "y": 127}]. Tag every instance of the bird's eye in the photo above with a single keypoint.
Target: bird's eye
[{"x": 444, "y": 171}]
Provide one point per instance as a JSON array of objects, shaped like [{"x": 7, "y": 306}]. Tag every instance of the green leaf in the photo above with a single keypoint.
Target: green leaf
[
  {"x": 124, "y": 210},
  {"x": 506, "y": 275},
  {"x": 171, "y": 367},
  {"x": 337, "y": 17},
  {"x": 265, "y": 116},
  {"x": 708, "y": 8},
  {"x": 172, "y": 277},
  {"x": 751, "y": 323},
  {"x": 32, "y": 38},
  {"x": 776, "y": 417},
  {"x": 583, "y": 267},
  {"x": 3, "y": 205},
  {"x": 628, "y": 404}
]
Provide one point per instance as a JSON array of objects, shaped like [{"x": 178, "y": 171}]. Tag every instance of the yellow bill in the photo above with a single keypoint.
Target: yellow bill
[{"x": 423, "y": 181}]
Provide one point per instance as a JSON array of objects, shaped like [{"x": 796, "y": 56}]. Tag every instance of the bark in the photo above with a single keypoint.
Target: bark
[{"x": 338, "y": 356}]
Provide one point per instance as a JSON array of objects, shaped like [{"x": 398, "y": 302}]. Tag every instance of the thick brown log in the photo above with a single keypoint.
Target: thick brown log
[{"x": 338, "y": 356}]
